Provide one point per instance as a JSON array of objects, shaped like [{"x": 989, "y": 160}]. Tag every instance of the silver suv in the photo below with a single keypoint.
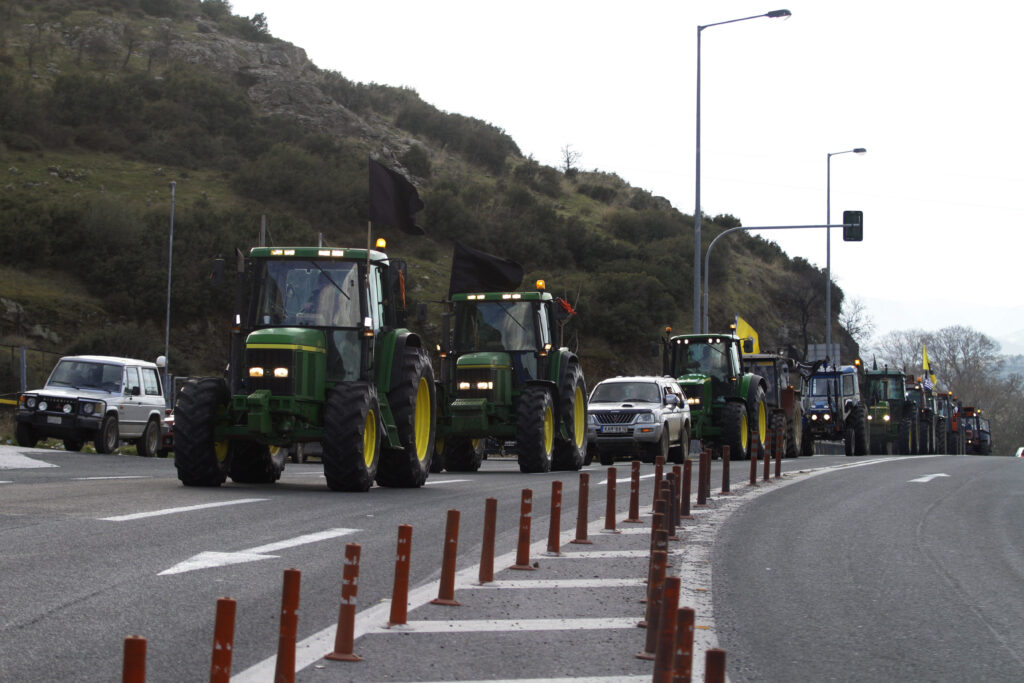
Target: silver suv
[
  {"x": 646, "y": 414},
  {"x": 96, "y": 398}
]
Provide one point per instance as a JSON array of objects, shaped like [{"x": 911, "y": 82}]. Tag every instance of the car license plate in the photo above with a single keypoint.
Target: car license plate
[
  {"x": 54, "y": 419},
  {"x": 613, "y": 430}
]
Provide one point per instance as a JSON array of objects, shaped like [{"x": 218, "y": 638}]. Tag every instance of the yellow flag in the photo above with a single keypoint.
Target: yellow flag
[
  {"x": 745, "y": 331},
  {"x": 927, "y": 366}
]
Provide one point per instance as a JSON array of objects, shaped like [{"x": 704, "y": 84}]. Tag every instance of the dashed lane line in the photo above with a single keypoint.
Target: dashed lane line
[{"x": 173, "y": 511}]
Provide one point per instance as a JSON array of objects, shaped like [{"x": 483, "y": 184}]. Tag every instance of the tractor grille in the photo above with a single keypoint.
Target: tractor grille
[
  {"x": 475, "y": 376},
  {"x": 268, "y": 359},
  {"x": 616, "y": 418}
]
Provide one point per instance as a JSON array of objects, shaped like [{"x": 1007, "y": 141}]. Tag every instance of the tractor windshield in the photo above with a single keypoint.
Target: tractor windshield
[
  {"x": 495, "y": 326},
  {"x": 885, "y": 389},
  {"x": 708, "y": 358},
  {"x": 314, "y": 293}
]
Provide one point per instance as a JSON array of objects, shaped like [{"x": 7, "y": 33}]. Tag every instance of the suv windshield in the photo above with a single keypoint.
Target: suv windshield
[
  {"x": 86, "y": 375},
  {"x": 496, "y": 326},
  {"x": 625, "y": 392}
]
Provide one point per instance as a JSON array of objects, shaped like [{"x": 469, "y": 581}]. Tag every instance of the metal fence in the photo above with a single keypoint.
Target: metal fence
[{"x": 21, "y": 369}]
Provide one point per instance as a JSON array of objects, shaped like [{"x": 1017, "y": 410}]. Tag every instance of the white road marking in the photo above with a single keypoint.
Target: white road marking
[
  {"x": 216, "y": 559},
  {"x": 443, "y": 481},
  {"x": 563, "y": 583},
  {"x": 621, "y": 480},
  {"x": 173, "y": 511},
  {"x": 927, "y": 478},
  {"x": 127, "y": 476},
  {"x": 507, "y": 625},
  {"x": 588, "y": 679},
  {"x": 17, "y": 461}
]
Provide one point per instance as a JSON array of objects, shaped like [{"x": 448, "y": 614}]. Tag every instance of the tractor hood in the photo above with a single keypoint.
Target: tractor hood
[
  {"x": 291, "y": 338},
  {"x": 484, "y": 359}
]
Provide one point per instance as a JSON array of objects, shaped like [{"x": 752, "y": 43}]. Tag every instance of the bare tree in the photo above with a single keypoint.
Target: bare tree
[
  {"x": 900, "y": 349},
  {"x": 856, "y": 320},
  {"x": 569, "y": 159}
]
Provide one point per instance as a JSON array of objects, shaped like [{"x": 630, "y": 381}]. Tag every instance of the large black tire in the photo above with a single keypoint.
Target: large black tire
[
  {"x": 849, "y": 437},
  {"x": 592, "y": 452},
  {"x": 351, "y": 445},
  {"x": 413, "y": 404},
  {"x": 757, "y": 415},
  {"x": 570, "y": 449},
  {"x": 860, "y": 430},
  {"x": 200, "y": 461},
  {"x": 535, "y": 429},
  {"x": 778, "y": 424},
  {"x": 678, "y": 454},
  {"x": 107, "y": 438},
  {"x": 73, "y": 444},
  {"x": 149, "y": 443},
  {"x": 807, "y": 445},
  {"x": 795, "y": 432},
  {"x": 660, "y": 448},
  {"x": 25, "y": 435},
  {"x": 735, "y": 430},
  {"x": 464, "y": 455},
  {"x": 255, "y": 463},
  {"x": 606, "y": 456},
  {"x": 925, "y": 437}
]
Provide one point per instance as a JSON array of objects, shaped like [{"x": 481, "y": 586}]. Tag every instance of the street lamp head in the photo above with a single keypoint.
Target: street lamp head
[
  {"x": 778, "y": 13},
  {"x": 859, "y": 150}
]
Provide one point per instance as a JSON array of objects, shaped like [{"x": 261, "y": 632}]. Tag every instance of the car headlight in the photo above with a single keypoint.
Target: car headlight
[
  {"x": 645, "y": 417},
  {"x": 591, "y": 419},
  {"x": 67, "y": 408},
  {"x": 42, "y": 405},
  {"x": 826, "y": 417},
  {"x": 30, "y": 402}
]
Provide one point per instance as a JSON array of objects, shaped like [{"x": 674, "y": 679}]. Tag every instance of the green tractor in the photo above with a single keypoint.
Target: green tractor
[
  {"x": 892, "y": 417},
  {"x": 320, "y": 355},
  {"x": 725, "y": 401},
  {"x": 501, "y": 376}
]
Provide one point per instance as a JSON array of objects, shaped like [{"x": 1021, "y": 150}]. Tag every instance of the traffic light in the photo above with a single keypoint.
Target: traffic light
[{"x": 853, "y": 226}]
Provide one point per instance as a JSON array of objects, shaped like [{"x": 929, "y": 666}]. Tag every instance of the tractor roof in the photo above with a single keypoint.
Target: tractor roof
[{"x": 315, "y": 253}]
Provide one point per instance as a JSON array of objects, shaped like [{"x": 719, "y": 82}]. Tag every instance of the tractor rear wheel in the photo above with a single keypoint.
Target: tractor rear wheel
[
  {"x": 757, "y": 415},
  {"x": 807, "y": 445},
  {"x": 351, "y": 445},
  {"x": 255, "y": 463},
  {"x": 414, "y": 405},
  {"x": 571, "y": 449},
  {"x": 778, "y": 423},
  {"x": 860, "y": 430},
  {"x": 535, "y": 429},
  {"x": 735, "y": 430},
  {"x": 198, "y": 458},
  {"x": 464, "y": 455},
  {"x": 795, "y": 433}
]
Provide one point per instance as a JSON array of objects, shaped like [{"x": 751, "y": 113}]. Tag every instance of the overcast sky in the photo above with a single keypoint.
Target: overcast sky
[{"x": 931, "y": 90}]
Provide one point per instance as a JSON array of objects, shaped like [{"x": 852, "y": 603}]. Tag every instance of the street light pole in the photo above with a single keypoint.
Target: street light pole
[
  {"x": 168, "y": 394},
  {"x": 774, "y": 14},
  {"x": 828, "y": 245}
]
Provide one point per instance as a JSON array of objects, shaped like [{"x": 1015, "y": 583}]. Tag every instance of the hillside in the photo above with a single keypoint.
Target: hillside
[{"x": 105, "y": 103}]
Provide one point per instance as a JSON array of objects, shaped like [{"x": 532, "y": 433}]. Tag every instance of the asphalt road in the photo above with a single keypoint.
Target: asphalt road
[
  {"x": 908, "y": 569},
  {"x": 97, "y": 548}
]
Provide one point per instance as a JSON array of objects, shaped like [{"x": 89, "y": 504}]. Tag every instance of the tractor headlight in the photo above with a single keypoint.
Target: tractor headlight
[
  {"x": 484, "y": 386},
  {"x": 465, "y": 386},
  {"x": 826, "y": 417},
  {"x": 693, "y": 401},
  {"x": 255, "y": 372},
  {"x": 886, "y": 418},
  {"x": 814, "y": 418},
  {"x": 870, "y": 418},
  {"x": 280, "y": 373}
]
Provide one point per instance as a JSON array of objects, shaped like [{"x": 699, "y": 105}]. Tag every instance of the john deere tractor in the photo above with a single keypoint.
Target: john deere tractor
[
  {"x": 503, "y": 377},
  {"x": 319, "y": 354},
  {"x": 892, "y": 417},
  {"x": 725, "y": 401}
]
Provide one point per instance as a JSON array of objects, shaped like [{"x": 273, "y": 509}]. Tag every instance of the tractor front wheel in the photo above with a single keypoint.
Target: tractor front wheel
[
  {"x": 860, "y": 431},
  {"x": 535, "y": 429},
  {"x": 351, "y": 445},
  {"x": 196, "y": 456},
  {"x": 735, "y": 430},
  {"x": 571, "y": 449},
  {"x": 414, "y": 405}
]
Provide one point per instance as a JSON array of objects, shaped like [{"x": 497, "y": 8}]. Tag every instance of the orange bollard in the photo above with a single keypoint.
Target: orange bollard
[
  {"x": 400, "y": 590},
  {"x": 284, "y": 670},
  {"x": 704, "y": 467},
  {"x": 634, "y": 495},
  {"x": 555, "y": 525},
  {"x": 665, "y": 648},
  {"x": 767, "y": 457},
  {"x": 133, "y": 669},
  {"x": 523, "y": 549},
  {"x": 714, "y": 665},
  {"x": 344, "y": 637},
  {"x": 487, "y": 547},
  {"x": 658, "y": 467},
  {"x": 446, "y": 588},
  {"x": 684, "y": 500},
  {"x": 753, "y": 468},
  {"x": 677, "y": 472},
  {"x": 223, "y": 641},
  {"x": 682, "y": 663},
  {"x": 666, "y": 498},
  {"x": 609, "y": 507},
  {"x": 658, "y": 544},
  {"x": 655, "y": 592},
  {"x": 581, "y": 510},
  {"x": 725, "y": 471}
]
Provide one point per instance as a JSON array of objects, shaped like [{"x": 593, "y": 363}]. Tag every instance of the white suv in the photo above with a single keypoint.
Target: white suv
[
  {"x": 649, "y": 414},
  {"x": 96, "y": 398}
]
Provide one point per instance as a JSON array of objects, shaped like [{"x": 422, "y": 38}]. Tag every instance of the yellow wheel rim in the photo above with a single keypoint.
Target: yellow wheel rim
[
  {"x": 422, "y": 418},
  {"x": 762, "y": 422},
  {"x": 370, "y": 439},
  {"x": 220, "y": 450},
  {"x": 439, "y": 445},
  {"x": 549, "y": 429},
  {"x": 579, "y": 418},
  {"x": 744, "y": 433}
]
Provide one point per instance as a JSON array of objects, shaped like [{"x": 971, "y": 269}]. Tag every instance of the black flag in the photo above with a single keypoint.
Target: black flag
[
  {"x": 478, "y": 271},
  {"x": 393, "y": 199}
]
